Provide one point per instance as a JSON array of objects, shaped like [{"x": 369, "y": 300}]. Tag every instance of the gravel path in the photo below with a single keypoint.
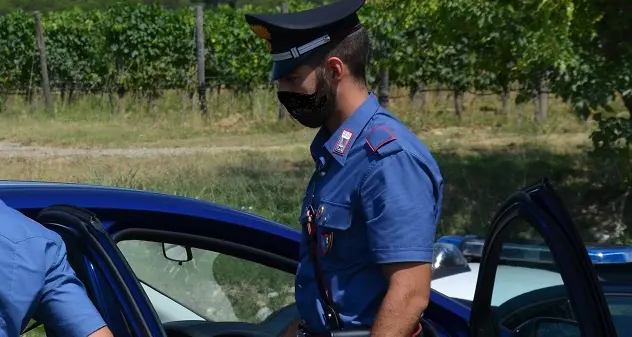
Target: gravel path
[{"x": 14, "y": 150}]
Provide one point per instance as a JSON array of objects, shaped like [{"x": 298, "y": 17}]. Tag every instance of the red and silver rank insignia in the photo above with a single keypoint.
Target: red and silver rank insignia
[
  {"x": 326, "y": 241},
  {"x": 343, "y": 142}
]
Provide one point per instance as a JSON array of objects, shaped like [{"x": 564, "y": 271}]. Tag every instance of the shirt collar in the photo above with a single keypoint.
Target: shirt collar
[{"x": 340, "y": 142}]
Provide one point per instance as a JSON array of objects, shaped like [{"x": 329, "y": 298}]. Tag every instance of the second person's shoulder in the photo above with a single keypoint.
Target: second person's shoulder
[{"x": 18, "y": 228}]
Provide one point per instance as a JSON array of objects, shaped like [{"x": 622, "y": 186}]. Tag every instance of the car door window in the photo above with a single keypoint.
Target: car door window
[
  {"x": 526, "y": 267},
  {"x": 533, "y": 233},
  {"x": 213, "y": 286}
]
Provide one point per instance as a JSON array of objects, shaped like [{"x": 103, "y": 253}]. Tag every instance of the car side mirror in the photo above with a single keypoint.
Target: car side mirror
[
  {"x": 548, "y": 326},
  {"x": 177, "y": 253}
]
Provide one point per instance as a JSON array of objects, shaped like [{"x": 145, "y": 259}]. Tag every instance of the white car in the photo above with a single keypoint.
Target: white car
[{"x": 455, "y": 276}]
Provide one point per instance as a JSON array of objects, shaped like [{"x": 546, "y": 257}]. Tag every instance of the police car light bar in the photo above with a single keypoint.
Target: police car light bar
[{"x": 472, "y": 246}]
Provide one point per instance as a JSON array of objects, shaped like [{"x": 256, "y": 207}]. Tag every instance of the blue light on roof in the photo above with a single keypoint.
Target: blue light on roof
[
  {"x": 610, "y": 255},
  {"x": 472, "y": 246}
]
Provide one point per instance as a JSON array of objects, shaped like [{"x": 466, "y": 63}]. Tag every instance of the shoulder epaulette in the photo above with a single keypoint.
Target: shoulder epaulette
[{"x": 381, "y": 140}]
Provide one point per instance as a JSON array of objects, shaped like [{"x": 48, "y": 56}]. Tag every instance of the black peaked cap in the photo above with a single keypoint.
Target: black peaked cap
[{"x": 292, "y": 37}]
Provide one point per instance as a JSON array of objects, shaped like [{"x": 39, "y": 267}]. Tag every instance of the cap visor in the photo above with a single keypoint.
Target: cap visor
[{"x": 282, "y": 68}]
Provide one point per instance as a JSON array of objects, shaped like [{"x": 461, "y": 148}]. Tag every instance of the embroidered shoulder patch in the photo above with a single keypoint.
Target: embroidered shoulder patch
[
  {"x": 343, "y": 142},
  {"x": 379, "y": 136}
]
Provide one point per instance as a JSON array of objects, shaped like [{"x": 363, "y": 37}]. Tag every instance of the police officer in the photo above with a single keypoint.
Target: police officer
[
  {"x": 372, "y": 205},
  {"x": 36, "y": 281}
]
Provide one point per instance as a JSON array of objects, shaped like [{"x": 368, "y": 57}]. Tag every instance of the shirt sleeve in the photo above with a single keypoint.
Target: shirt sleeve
[
  {"x": 65, "y": 307},
  {"x": 401, "y": 200},
  {"x": 14, "y": 292}
]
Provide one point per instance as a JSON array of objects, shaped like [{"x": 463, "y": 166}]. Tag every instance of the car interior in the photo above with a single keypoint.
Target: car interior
[
  {"x": 64, "y": 220},
  {"x": 273, "y": 325},
  {"x": 552, "y": 302}
]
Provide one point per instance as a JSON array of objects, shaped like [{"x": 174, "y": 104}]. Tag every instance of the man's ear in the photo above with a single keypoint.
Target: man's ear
[{"x": 336, "y": 67}]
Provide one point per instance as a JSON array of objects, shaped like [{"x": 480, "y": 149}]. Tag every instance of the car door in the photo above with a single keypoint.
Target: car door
[
  {"x": 207, "y": 277},
  {"x": 111, "y": 284},
  {"x": 244, "y": 263},
  {"x": 531, "y": 244}
]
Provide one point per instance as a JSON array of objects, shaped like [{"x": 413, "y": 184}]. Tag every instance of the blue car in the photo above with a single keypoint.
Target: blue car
[{"x": 158, "y": 265}]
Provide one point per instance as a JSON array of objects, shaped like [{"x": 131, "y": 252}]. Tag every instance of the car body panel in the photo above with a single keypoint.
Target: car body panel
[
  {"x": 120, "y": 209},
  {"x": 28, "y": 195},
  {"x": 114, "y": 206},
  {"x": 168, "y": 212}
]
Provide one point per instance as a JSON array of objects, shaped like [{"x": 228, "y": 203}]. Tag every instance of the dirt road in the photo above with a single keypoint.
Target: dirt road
[
  {"x": 13, "y": 150},
  {"x": 438, "y": 139}
]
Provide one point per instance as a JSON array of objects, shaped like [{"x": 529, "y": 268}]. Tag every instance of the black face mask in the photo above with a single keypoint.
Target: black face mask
[
  {"x": 307, "y": 109},
  {"x": 311, "y": 110}
]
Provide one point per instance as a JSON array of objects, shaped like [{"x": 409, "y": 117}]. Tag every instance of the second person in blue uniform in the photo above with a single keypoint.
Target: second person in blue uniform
[
  {"x": 37, "y": 281},
  {"x": 372, "y": 206}
]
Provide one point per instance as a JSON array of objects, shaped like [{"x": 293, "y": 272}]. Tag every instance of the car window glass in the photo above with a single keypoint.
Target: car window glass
[
  {"x": 621, "y": 310},
  {"x": 526, "y": 263},
  {"x": 527, "y": 266},
  {"x": 211, "y": 286}
]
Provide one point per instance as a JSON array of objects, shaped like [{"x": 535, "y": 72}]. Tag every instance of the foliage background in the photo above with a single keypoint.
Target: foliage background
[{"x": 576, "y": 51}]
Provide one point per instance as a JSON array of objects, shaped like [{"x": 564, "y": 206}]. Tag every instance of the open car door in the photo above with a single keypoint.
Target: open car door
[
  {"x": 111, "y": 284},
  {"x": 533, "y": 244}
]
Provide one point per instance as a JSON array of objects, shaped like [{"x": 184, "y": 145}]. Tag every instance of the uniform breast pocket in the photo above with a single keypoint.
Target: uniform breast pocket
[{"x": 335, "y": 237}]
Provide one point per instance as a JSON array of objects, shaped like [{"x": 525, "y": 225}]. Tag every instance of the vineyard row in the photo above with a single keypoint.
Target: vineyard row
[{"x": 462, "y": 44}]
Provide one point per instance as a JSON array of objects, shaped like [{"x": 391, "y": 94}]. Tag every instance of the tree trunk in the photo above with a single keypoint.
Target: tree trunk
[
  {"x": 419, "y": 96},
  {"x": 543, "y": 101},
  {"x": 120, "y": 67},
  {"x": 71, "y": 94},
  {"x": 438, "y": 91},
  {"x": 458, "y": 103},
  {"x": 251, "y": 100},
  {"x": 424, "y": 95},
  {"x": 111, "y": 100},
  {"x": 383, "y": 90},
  {"x": 217, "y": 100},
  {"x": 627, "y": 101},
  {"x": 505, "y": 96}
]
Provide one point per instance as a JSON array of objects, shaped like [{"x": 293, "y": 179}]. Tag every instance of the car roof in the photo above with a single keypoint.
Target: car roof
[{"x": 26, "y": 195}]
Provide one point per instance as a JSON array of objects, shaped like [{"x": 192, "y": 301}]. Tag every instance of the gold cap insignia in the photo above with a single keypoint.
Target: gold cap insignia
[{"x": 261, "y": 32}]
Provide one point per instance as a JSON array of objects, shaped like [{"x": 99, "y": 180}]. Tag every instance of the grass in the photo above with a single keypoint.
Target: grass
[
  {"x": 90, "y": 121},
  {"x": 484, "y": 158}
]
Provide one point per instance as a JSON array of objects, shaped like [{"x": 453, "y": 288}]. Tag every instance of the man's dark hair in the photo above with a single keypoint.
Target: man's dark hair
[{"x": 353, "y": 51}]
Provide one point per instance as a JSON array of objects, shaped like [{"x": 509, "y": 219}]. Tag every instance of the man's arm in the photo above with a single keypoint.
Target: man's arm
[
  {"x": 103, "y": 332},
  {"x": 402, "y": 203},
  {"x": 65, "y": 306},
  {"x": 406, "y": 299}
]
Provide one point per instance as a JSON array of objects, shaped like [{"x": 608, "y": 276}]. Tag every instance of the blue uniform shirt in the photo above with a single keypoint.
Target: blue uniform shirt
[
  {"x": 377, "y": 193},
  {"x": 38, "y": 282}
]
